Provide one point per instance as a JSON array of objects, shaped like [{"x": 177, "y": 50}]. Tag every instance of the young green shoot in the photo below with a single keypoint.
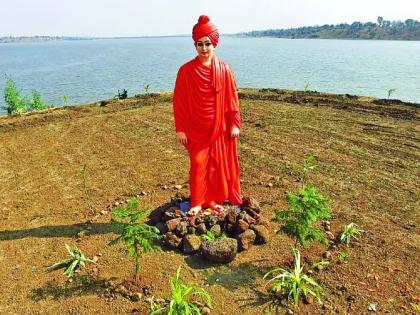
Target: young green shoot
[
  {"x": 306, "y": 86},
  {"x": 294, "y": 283},
  {"x": 390, "y": 92},
  {"x": 147, "y": 88},
  {"x": 138, "y": 237},
  {"x": 350, "y": 231},
  {"x": 76, "y": 260},
  {"x": 180, "y": 303},
  {"x": 36, "y": 103},
  {"x": 210, "y": 236}
]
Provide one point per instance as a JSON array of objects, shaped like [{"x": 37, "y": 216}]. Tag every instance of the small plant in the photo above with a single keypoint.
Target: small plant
[
  {"x": 342, "y": 256},
  {"x": 306, "y": 86},
  {"x": 304, "y": 211},
  {"x": 180, "y": 303},
  {"x": 295, "y": 282},
  {"x": 351, "y": 231},
  {"x": 83, "y": 172},
  {"x": 210, "y": 236},
  {"x": 65, "y": 100},
  {"x": 16, "y": 103},
  {"x": 36, "y": 103},
  {"x": 320, "y": 264},
  {"x": 121, "y": 95},
  {"x": 390, "y": 92},
  {"x": 77, "y": 259},
  {"x": 139, "y": 238},
  {"x": 147, "y": 88}
]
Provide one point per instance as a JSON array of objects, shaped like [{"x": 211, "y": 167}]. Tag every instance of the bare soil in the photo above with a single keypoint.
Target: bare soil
[{"x": 367, "y": 153}]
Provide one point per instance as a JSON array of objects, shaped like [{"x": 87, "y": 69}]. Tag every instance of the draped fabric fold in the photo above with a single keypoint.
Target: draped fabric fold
[{"x": 205, "y": 107}]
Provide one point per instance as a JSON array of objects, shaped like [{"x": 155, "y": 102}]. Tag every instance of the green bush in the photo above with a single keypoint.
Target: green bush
[
  {"x": 304, "y": 211},
  {"x": 16, "y": 103}
]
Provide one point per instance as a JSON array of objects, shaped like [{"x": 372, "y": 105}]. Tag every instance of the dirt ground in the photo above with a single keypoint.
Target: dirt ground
[{"x": 367, "y": 154}]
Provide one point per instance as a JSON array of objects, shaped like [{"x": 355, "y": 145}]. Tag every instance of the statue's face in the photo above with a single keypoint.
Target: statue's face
[{"x": 204, "y": 47}]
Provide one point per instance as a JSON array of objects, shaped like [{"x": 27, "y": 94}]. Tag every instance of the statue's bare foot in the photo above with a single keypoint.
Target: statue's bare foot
[
  {"x": 216, "y": 207},
  {"x": 194, "y": 210}
]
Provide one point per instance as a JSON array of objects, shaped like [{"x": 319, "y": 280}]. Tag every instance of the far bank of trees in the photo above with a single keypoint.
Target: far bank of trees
[{"x": 382, "y": 29}]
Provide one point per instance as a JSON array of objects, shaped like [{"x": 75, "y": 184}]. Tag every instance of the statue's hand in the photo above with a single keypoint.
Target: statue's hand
[
  {"x": 181, "y": 137},
  {"x": 234, "y": 132}
]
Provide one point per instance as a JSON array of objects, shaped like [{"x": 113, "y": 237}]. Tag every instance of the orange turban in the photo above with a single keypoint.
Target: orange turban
[{"x": 205, "y": 28}]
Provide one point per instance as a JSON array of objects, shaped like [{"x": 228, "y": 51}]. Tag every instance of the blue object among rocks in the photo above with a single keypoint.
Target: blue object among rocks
[{"x": 184, "y": 206}]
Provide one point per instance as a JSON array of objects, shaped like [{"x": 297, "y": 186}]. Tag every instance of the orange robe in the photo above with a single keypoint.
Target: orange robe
[{"x": 206, "y": 106}]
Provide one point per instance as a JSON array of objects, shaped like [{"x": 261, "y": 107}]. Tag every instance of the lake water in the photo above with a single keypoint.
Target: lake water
[{"x": 91, "y": 70}]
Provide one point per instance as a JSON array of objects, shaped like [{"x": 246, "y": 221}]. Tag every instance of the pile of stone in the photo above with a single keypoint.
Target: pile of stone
[{"x": 242, "y": 226}]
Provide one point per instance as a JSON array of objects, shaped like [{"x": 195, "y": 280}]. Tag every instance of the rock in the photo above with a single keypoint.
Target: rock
[
  {"x": 246, "y": 239},
  {"x": 309, "y": 299},
  {"x": 211, "y": 221},
  {"x": 262, "y": 235},
  {"x": 326, "y": 255},
  {"x": 181, "y": 229},
  {"x": 172, "y": 240},
  {"x": 216, "y": 230},
  {"x": 143, "y": 193},
  {"x": 249, "y": 202},
  {"x": 372, "y": 307},
  {"x": 231, "y": 217},
  {"x": 135, "y": 297},
  {"x": 253, "y": 214},
  {"x": 116, "y": 203},
  {"x": 95, "y": 259},
  {"x": 172, "y": 224},
  {"x": 191, "y": 230},
  {"x": 95, "y": 270},
  {"x": 326, "y": 225},
  {"x": 192, "y": 243},
  {"x": 330, "y": 235},
  {"x": 241, "y": 226},
  {"x": 289, "y": 312},
  {"x": 169, "y": 215},
  {"x": 122, "y": 290},
  {"x": 201, "y": 228},
  {"x": 221, "y": 251},
  {"x": 162, "y": 227},
  {"x": 103, "y": 212},
  {"x": 263, "y": 221},
  {"x": 269, "y": 185},
  {"x": 178, "y": 187},
  {"x": 205, "y": 310},
  {"x": 164, "y": 187}
]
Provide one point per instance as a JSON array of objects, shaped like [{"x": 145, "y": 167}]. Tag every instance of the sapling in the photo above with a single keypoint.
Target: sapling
[
  {"x": 76, "y": 260},
  {"x": 138, "y": 237},
  {"x": 294, "y": 283},
  {"x": 350, "y": 231},
  {"x": 306, "y": 86},
  {"x": 65, "y": 100},
  {"x": 180, "y": 303},
  {"x": 36, "y": 103},
  {"x": 147, "y": 88},
  {"x": 390, "y": 92},
  {"x": 304, "y": 210}
]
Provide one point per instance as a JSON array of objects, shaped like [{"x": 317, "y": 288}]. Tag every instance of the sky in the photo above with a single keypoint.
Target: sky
[{"x": 111, "y": 18}]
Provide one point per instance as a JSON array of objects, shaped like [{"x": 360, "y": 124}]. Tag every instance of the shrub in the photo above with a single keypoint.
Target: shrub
[
  {"x": 180, "y": 303},
  {"x": 16, "y": 103},
  {"x": 304, "y": 211},
  {"x": 210, "y": 236},
  {"x": 37, "y": 103},
  {"x": 139, "y": 238},
  {"x": 294, "y": 282}
]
